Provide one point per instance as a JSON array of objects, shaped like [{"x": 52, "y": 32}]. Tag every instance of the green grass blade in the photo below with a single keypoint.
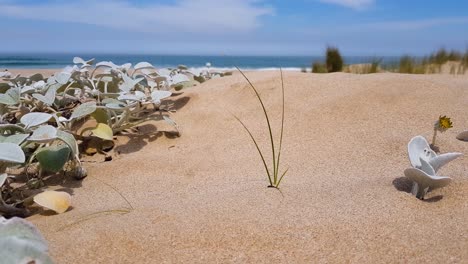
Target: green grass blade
[
  {"x": 267, "y": 120},
  {"x": 282, "y": 128},
  {"x": 258, "y": 149},
  {"x": 281, "y": 178}
]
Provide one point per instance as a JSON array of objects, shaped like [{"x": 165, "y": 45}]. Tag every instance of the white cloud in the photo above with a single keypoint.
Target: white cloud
[
  {"x": 415, "y": 24},
  {"x": 200, "y": 16},
  {"x": 355, "y": 4}
]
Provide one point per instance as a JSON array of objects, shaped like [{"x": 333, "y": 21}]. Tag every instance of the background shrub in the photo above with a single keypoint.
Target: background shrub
[{"x": 334, "y": 61}]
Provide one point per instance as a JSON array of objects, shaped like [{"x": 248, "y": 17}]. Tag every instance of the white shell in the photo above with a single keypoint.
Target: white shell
[{"x": 54, "y": 200}]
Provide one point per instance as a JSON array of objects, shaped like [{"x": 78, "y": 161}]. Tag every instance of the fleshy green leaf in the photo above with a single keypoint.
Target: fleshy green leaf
[
  {"x": 36, "y": 77},
  {"x": 4, "y": 87},
  {"x": 53, "y": 158},
  {"x": 100, "y": 115},
  {"x": 11, "y": 128},
  {"x": 103, "y": 131}
]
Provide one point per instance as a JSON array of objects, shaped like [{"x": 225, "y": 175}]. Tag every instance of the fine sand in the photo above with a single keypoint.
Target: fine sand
[{"x": 203, "y": 197}]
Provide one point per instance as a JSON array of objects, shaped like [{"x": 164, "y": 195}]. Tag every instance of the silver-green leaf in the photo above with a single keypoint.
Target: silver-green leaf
[
  {"x": 21, "y": 242},
  {"x": 12, "y": 153},
  {"x": 84, "y": 110},
  {"x": 11, "y": 97},
  {"x": 44, "y": 134},
  {"x": 15, "y": 139},
  {"x": 35, "y": 119},
  {"x": 70, "y": 140}
]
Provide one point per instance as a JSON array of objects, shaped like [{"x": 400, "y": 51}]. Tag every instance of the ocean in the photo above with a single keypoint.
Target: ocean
[{"x": 57, "y": 61}]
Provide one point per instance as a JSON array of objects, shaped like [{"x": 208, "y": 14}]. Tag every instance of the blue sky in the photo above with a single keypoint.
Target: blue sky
[{"x": 233, "y": 27}]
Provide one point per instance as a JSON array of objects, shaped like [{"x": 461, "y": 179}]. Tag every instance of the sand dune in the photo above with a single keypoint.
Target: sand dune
[{"x": 202, "y": 198}]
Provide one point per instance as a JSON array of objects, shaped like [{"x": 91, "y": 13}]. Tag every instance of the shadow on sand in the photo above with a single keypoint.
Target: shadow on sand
[
  {"x": 146, "y": 133},
  {"x": 403, "y": 184}
]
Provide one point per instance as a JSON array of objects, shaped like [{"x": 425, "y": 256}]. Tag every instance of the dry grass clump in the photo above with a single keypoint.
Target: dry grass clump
[
  {"x": 440, "y": 61},
  {"x": 318, "y": 67}
]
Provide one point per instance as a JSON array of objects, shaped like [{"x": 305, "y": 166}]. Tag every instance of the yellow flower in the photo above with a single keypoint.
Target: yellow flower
[{"x": 443, "y": 123}]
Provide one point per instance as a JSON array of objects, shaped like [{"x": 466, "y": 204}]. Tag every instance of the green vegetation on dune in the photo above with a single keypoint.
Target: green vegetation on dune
[
  {"x": 334, "y": 61},
  {"x": 442, "y": 60},
  {"x": 458, "y": 62},
  {"x": 318, "y": 67}
]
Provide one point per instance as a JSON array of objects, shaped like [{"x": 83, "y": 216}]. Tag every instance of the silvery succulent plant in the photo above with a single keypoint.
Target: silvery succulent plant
[
  {"x": 38, "y": 115},
  {"x": 425, "y": 164}
]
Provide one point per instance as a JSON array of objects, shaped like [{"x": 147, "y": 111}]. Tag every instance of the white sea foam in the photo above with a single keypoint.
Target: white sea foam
[{"x": 233, "y": 69}]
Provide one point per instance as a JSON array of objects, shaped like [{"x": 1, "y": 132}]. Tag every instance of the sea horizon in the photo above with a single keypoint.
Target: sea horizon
[{"x": 222, "y": 62}]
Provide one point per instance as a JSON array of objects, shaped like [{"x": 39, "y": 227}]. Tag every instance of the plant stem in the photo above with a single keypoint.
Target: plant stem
[{"x": 434, "y": 137}]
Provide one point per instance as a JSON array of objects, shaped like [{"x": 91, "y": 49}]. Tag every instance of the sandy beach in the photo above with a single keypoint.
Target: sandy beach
[{"x": 203, "y": 197}]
